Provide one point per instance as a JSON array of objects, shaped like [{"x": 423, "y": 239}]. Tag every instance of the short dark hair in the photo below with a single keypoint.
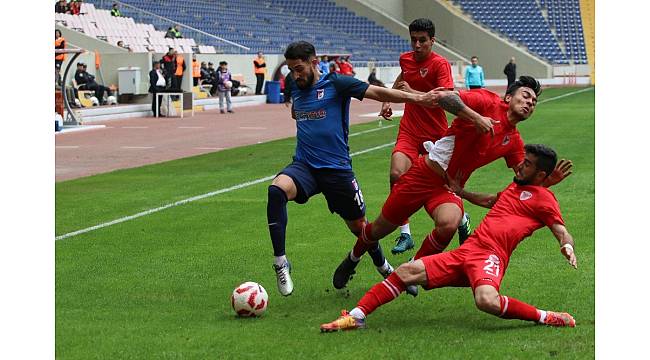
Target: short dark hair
[
  {"x": 223, "y": 63},
  {"x": 525, "y": 81},
  {"x": 546, "y": 157},
  {"x": 156, "y": 62},
  {"x": 474, "y": 57},
  {"x": 300, "y": 50},
  {"x": 423, "y": 25}
]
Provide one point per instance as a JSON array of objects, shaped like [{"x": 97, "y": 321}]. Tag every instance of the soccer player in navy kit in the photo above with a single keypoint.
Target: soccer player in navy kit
[{"x": 322, "y": 161}]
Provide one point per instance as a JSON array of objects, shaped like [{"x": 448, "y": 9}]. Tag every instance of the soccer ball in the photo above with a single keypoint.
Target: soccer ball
[
  {"x": 228, "y": 84},
  {"x": 111, "y": 100},
  {"x": 249, "y": 299},
  {"x": 95, "y": 101}
]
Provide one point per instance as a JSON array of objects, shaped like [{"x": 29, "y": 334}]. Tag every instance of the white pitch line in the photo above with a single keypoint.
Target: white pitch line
[
  {"x": 371, "y": 130},
  {"x": 137, "y": 147},
  {"x": 565, "y": 95},
  {"x": 194, "y": 198}
]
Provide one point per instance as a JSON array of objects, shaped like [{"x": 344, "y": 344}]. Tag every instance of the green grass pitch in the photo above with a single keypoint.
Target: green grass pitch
[{"x": 158, "y": 286}]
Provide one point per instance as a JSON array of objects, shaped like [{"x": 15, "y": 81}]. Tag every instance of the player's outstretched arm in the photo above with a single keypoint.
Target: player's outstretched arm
[
  {"x": 483, "y": 200},
  {"x": 397, "y": 96},
  {"x": 562, "y": 170},
  {"x": 566, "y": 243},
  {"x": 451, "y": 102},
  {"x": 386, "y": 111}
]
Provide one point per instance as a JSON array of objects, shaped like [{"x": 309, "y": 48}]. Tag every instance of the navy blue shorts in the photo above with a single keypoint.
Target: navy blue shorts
[{"x": 340, "y": 188}]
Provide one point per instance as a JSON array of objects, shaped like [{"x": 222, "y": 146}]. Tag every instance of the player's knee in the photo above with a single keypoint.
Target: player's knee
[
  {"x": 447, "y": 227},
  {"x": 487, "y": 302},
  {"x": 395, "y": 175},
  {"x": 408, "y": 273}
]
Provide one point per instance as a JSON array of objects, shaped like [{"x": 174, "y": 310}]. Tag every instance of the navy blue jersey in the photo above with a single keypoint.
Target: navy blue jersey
[{"x": 322, "y": 115}]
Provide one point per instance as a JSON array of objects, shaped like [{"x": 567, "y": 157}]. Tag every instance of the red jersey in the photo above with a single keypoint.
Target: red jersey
[
  {"x": 517, "y": 213},
  {"x": 421, "y": 122},
  {"x": 346, "y": 68},
  {"x": 473, "y": 150}
]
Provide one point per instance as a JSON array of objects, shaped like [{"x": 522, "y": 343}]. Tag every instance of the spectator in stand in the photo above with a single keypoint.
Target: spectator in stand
[
  {"x": 59, "y": 44},
  {"x": 157, "y": 85},
  {"x": 86, "y": 81},
  {"x": 511, "y": 71},
  {"x": 372, "y": 78},
  {"x": 224, "y": 86},
  {"x": 207, "y": 76},
  {"x": 168, "y": 64},
  {"x": 196, "y": 71},
  {"x": 115, "y": 11},
  {"x": 62, "y": 7},
  {"x": 174, "y": 32},
  {"x": 121, "y": 44},
  {"x": 324, "y": 65},
  {"x": 260, "y": 72},
  {"x": 214, "y": 78},
  {"x": 75, "y": 7},
  {"x": 177, "y": 80},
  {"x": 474, "y": 77}
]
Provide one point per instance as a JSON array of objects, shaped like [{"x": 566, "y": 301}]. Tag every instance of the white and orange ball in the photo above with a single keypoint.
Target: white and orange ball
[{"x": 249, "y": 299}]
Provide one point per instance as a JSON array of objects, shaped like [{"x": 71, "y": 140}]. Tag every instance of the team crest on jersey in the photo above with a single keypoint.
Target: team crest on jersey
[
  {"x": 506, "y": 140},
  {"x": 525, "y": 195},
  {"x": 320, "y": 93},
  {"x": 424, "y": 71}
]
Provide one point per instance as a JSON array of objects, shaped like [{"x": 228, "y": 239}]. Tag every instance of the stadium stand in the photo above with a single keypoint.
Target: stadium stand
[
  {"x": 270, "y": 25},
  {"x": 99, "y": 24},
  {"x": 551, "y": 29}
]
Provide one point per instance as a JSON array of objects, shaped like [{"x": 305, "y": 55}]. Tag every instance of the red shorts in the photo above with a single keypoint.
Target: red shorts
[
  {"x": 419, "y": 186},
  {"x": 466, "y": 266},
  {"x": 409, "y": 145}
]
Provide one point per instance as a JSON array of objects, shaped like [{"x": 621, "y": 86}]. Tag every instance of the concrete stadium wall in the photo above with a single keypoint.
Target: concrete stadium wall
[{"x": 469, "y": 38}]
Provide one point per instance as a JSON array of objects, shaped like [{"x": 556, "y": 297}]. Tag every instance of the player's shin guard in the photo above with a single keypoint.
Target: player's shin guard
[
  {"x": 381, "y": 293},
  {"x": 432, "y": 244},
  {"x": 364, "y": 241},
  {"x": 512, "y": 308},
  {"x": 276, "y": 213}
]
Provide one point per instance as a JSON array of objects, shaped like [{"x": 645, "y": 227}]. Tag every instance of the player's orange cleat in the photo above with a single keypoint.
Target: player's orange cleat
[
  {"x": 559, "y": 319},
  {"x": 344, "y": 322}
]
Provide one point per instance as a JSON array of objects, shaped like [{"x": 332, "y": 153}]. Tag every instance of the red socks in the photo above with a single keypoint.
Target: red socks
[
  {"x": 382, "y": 293},
  {"x": 363, "y": 241},
  {"x": 512, "y": 308},
  {"x": 432, "y": 244}
]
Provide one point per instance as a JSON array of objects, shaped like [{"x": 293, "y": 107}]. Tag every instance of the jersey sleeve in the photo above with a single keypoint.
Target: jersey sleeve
[
  {"x": 548, "y": 211},
  {"x": 348, "y": 86},
  {"x": 475, "y": 100},
  {"x": 517, "y": 153},
  {"x": 443, "y": 74}
]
